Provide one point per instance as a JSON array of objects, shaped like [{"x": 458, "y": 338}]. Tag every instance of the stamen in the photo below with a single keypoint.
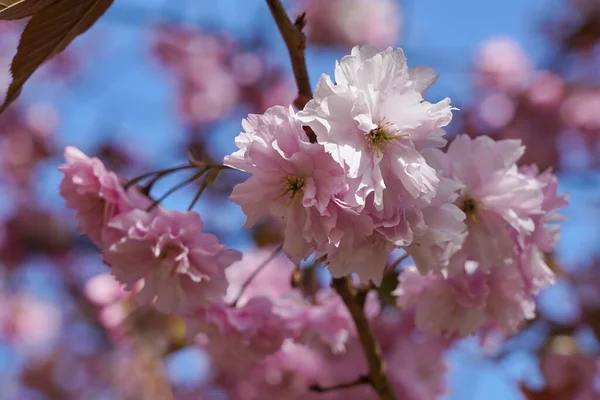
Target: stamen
[
  {"x": 470, "y": 207},
  {"x": 384, "y": 132},
  {"x": 291, "y": 184}
]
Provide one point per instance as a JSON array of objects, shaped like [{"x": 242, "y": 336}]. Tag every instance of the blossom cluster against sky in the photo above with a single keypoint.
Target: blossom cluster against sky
[{"x": 124, "y": 94}]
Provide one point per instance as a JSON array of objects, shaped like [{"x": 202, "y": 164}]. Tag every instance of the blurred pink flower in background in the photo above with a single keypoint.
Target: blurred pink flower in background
[
  {"x": 502, "y": 64},
  {"x": 29, "y": 321},
  {"x": 108, "y": 294},
  {"x": 496, "y": 110},
  {"x": 280, "y": 91},
  {"x": 26, "y": 140},
  {"x": 547, "y": 89},
  {"x": 352, "y": 22},
  {"x": 581, "y": 109},
  {"x": 37, "y": 322},
  {"x": 208, "y": 86},
  {"x": 237, "y": 338},
  {"x": 286, "y": 374}
]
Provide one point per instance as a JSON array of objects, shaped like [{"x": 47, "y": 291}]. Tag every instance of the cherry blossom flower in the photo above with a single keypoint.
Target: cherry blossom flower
[
  {"x": 461, "y": 305},
  {"x": 373, "y": 121},
  {"x": 296, "y": 180},
  {"x": 361, "y": 176},
  {"x": 499, "y": 201},
  {"x": 180, "y": 264},
  {"x": 95, "y": 193}
]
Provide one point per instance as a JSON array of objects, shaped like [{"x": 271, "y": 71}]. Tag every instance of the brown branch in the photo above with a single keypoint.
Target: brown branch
[
  {"x": 295, "y": 40},
  {"x": 377, "y": 376},
  {"x": 361, "y": 380}
]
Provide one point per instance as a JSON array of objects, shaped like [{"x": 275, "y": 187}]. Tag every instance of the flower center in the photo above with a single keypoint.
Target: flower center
[
  {"x": 383, "y": 133},
  {"x": 170, "y": 251},
  {"x": 469, "y": 206},
  {"x": 291, "y": 184}
]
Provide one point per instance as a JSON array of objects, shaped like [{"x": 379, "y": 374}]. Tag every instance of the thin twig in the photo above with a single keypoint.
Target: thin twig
[
  {"x": 255, "y": 273},
  {"x": 208, "y": 181},
  {"x": 199, "y": 192},
  {"x": 295, "y": 40},
  {"x": 191, "y": 179},
  {"x": 161, "y": 172},
  {"x": 377, "y": 376},
  {"x": 361, "y": 380}
]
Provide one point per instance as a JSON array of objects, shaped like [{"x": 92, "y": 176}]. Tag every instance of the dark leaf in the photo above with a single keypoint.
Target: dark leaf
[
  {"x": 17, "y": 9},
  {"x": 49, "y": 32}
]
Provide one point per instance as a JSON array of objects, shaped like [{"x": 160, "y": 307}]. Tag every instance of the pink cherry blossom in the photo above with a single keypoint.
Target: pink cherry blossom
[
  {"x": 180, "y": 264},
  {"x": 500, "y": 202},
  {"x": 373, "y": 121},
  {"x": 461, "y": 305},
  {"x": 95, "y": 193},
  {"x": 237, "y": 338},
  {"x": 296, "y": 180}
]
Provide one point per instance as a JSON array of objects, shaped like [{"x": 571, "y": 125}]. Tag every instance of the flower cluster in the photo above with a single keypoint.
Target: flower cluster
[
  {"x": 356, "y": 174},
  {"x": 179, "y": 264},
  {"x": 365, "y": 186},
  {"x": 491, "y": 274},
  {"x": 475, "y": 223}
]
